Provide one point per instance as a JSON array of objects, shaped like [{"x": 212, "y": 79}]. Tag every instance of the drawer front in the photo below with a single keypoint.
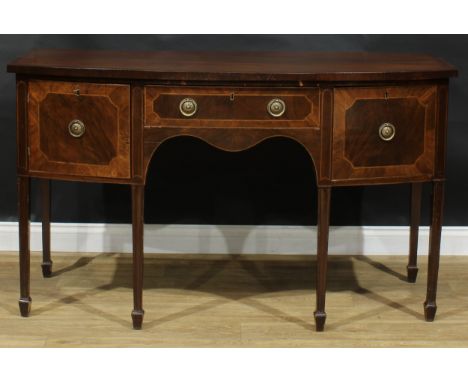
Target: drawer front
[
  {"x": 236, "y": 107},
  {"x": 384, "y": 132},
  {"x": 79, "y": 129}
]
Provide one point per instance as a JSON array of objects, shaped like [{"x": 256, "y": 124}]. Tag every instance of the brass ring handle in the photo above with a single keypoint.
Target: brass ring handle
[
  {"x": 387, "y": 131},
  {"x": 188, "y": 107},
  {"x": 76, "y": 128},
  {"x": 276, "y": 107}
]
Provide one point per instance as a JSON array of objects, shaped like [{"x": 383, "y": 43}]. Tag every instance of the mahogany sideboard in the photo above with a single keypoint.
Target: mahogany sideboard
[{"x": 364, "y": 119}]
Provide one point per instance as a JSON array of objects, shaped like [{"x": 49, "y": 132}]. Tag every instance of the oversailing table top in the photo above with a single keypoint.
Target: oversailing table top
[{"x": 232, "y": 66}]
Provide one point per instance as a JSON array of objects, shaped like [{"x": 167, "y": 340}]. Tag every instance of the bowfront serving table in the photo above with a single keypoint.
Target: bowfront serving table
[{"x": 364, "y": 119}]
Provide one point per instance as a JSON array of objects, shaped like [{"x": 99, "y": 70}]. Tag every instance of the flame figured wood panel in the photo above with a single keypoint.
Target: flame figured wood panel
[
  {"x": 104, "y": 148},
  {"x": 231, "y": 107},
  {"x": 359, "y": 153}
]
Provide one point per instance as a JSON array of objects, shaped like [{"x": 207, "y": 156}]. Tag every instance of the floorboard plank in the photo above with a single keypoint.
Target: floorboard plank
[{"x": 238, "y": 301}]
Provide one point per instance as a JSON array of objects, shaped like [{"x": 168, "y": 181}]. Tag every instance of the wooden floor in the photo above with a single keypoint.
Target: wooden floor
[{"x": 220, "y": 301}]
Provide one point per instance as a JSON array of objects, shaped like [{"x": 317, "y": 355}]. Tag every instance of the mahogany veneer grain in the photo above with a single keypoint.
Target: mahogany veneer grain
[
  {"x": 335, "y": 103},
  {"x": 233, "y": 66}
]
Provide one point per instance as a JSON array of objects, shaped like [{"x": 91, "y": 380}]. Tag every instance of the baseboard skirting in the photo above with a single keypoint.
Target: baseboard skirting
[{"x": 229, "y": 239}]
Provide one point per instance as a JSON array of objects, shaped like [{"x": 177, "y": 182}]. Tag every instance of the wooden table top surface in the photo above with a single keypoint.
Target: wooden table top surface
[{"x": 232, "y": 66}]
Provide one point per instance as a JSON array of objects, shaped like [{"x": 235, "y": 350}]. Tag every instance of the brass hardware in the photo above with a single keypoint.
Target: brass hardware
[
  {"x": 77, "y": 92},
  {"x": 188, "y": 107},
  {"x": 276, "y": 107},
  {"x": 231, "y": 97},
  {"x": 76, "y": 128},
  {"x": 387, "y": 131}
]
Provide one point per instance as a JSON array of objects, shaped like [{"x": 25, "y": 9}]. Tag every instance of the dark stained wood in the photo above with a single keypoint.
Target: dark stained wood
[
  {"x": 441, "y": 135},
  {"x": 103, "y": 150},
  {"x": 324, "y": 177},
  {"x": 21, "y": 127},
  {"x": 239, "y": 139},
  {"x": 138, "y": 194},
  {"x": 24, "y": 253},
  {"x": 129, "y": 102},
  {"x": 323, "y": 222},
  {"x": 137, "y": 133},
  {"x": 84, "y": 178},
  {"x": 415, "y": 219},
  {"x": 230, "y": 107},
  {"x": 23, "y": 186},
  {"x": 45, "y": 202},
  {"x": 430, "y": 306},
  {"x": 364, "y": 147},
  {"x": 358, "y": 151},
  {"x": 233, "y": 66}
]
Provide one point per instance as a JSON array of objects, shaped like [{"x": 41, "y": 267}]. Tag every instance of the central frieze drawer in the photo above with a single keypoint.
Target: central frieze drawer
[{"x": 236, "y": 107}]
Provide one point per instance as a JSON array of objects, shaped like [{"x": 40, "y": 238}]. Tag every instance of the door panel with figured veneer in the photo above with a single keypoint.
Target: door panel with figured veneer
[
  {"x": 384, "y": 132},
  {"x": 79, "y": 128}
]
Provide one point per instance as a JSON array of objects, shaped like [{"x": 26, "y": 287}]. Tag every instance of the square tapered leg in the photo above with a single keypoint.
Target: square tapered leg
[
  {"x": 24, "y": 253},
  {"x": 430, "y": 306},
  {"x": 45, "y": 201},
  {"x": 323, "y": 223},
  {"x": 138, "y": 192},
  {"x": 415, "y": 219}
]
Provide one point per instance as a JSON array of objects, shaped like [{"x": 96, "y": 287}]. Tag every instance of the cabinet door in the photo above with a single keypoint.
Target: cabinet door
[
  {"x": 79, "y": 129},
  {"x": 384, "y": 132}
]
